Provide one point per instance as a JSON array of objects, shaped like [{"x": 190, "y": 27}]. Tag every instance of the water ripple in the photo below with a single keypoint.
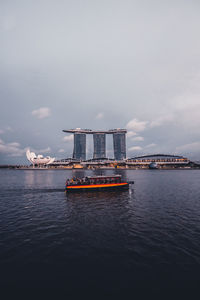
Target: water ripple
[{"x": 155, "y": 228}]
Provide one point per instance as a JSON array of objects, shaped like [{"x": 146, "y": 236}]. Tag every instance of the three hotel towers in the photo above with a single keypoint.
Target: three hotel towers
[{"x": 99, "y": 139}]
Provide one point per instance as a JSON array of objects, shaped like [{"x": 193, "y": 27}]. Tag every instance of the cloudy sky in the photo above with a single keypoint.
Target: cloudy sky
[{"x": 105, "y": 64}]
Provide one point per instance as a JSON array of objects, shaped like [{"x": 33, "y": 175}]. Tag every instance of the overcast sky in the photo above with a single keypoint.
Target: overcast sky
[{"x": 99, "y": 65}]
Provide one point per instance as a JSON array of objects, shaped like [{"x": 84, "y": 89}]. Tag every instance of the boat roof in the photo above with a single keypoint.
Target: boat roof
[{"x": 103, "y": 176}]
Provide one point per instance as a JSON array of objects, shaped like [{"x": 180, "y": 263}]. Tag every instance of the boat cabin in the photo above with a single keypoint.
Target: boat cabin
[{"x": 92, "y": 180}]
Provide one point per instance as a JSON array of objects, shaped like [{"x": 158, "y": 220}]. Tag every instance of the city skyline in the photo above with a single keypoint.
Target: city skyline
[{"x": 109, "y": 64}]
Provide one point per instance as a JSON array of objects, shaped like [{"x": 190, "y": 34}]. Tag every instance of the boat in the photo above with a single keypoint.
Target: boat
[{"x": 96, "y": 183}]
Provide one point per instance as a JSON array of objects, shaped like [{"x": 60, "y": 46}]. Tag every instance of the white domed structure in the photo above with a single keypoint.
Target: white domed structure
[{"x": 38, "y": 160}]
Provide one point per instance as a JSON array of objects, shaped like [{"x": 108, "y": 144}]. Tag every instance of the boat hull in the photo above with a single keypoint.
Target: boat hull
[{"x": 96, "y": 187}]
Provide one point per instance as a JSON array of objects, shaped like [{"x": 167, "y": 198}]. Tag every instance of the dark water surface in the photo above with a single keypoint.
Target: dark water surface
[{"x": 103, "y": 243}]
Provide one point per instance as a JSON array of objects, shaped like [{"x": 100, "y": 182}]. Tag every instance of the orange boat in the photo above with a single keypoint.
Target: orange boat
[{"x": 93, "y": 183}]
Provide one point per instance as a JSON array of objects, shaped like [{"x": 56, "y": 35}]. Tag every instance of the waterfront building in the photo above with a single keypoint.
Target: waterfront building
[
  {"x": 119, "y": 142},
  {"x": 79, "y": 152},
  {"x": 99, "y": 140},
  {"x": 39, "y": 160},
  {"x": 161, "y": 160}
]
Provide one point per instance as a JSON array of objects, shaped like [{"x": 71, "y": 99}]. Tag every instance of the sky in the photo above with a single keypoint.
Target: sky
[{"x": 105, "y": 64}]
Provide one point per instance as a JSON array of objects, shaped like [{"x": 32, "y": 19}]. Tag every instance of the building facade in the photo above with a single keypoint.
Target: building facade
[
  {"x": 99, "y": 140},
  {"x": 79, "y": 152},
  {"x": 119, "y": 143}
]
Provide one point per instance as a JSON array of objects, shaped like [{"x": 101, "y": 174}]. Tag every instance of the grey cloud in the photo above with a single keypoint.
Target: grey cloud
[
  {"x": 131, "y": 59},
  {"x": 42, "y": 112}
]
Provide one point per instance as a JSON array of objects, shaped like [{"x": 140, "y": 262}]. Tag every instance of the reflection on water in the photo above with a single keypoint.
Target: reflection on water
[
  {"x": 36, "y": 178},
  {"x": 102, "y": 196}
]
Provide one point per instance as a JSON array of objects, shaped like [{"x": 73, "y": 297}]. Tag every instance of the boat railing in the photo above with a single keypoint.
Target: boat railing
[{"x": 90, "y": 181}]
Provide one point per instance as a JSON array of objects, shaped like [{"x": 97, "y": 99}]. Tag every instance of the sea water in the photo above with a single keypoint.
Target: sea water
[{"x": 104, "y": 243}]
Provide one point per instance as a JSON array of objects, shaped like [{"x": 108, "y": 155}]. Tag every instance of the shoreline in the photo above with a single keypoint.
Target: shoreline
[{"x": 95, "y": 169}]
